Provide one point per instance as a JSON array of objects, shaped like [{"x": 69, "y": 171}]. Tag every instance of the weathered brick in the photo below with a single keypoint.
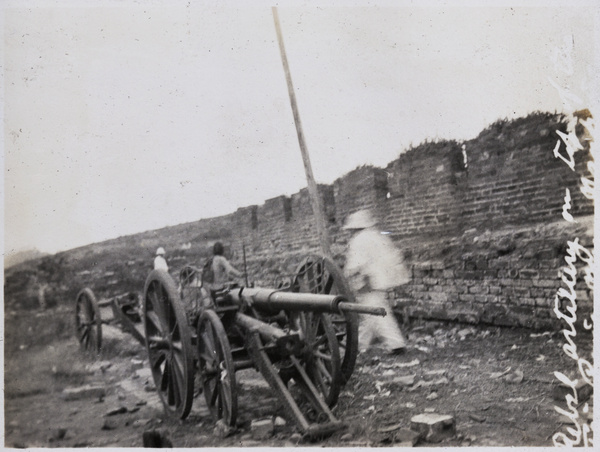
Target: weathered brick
[
  {"x": 437, "y": 288},
  {"x": 467, "y": 297},
  {"x": 527, "y": 301},
  {"x": 438, "y": 297},
  {"x": 481, "y": 289},
  {"x": 546, "y": 283},
  {"x": 494, "y": 290},
  {"x": 529, "y": 274}
]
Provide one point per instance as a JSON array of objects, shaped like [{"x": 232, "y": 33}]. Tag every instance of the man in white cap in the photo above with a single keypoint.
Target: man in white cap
[
  {"x": 374, "y": 265},
  {"x": 160, "y": 262}
]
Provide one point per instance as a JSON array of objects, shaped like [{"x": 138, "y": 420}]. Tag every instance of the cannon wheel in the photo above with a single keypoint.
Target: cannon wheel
[
  {"x": 88, "y": 321},
  {"x": 216, "y": 366},
  {"x": 321, "y": 358},
  {"x": 169, "y": 344},
  {"x": 319, "y": 274}
]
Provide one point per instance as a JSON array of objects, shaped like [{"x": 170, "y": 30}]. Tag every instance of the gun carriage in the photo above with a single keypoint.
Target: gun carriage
[{"x": 302, "y": 336}]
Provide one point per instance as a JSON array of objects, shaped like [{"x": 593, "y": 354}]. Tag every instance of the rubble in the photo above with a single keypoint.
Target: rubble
[
  {"x": 406, "y": 437},
  {"x": 434, "y": 427},
  {"x": 414, "y": 362},
  {"x": 477, "y": 418},
  {"x": 58, "y": 434},
  {"x": 495, "y": 375},
  {"x": 115, "y": 411},
  {"x": 406, "y": 380},
  {"x": 279, "y": 422},
  {"x": 432, "y": 396},
  {"x": 515, "y": 377},
  {"x": 136, "y": 364},
  {"x": 140, "y": 422},
  {"x": 584, "y": 391},
  {"x": 83, "y": 392},
  {"x": 156, "y": 439},
  {"x": 435, "y": 373},
  {"x": 346, "y": 437},
  {"x": 222, "y": 430},
  {"x": 262, "y": 429},
  {"x": 110, "y": 424}
]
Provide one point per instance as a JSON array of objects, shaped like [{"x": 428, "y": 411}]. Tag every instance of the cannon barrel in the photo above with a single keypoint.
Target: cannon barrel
[{"x": 299, "y": 301}]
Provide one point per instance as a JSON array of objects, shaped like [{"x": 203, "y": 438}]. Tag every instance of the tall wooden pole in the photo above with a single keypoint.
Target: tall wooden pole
[{"x": 315, "y": 200}]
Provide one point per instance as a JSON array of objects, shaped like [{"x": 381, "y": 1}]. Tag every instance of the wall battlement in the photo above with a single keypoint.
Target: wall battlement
[{"x": 479, "y": 222}]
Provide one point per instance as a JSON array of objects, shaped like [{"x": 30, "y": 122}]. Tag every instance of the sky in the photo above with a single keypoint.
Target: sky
[{"x": 127, "y": 116}]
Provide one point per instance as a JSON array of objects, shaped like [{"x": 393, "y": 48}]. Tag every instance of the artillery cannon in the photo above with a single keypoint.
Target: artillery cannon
[{"x": 302, "y": 337}]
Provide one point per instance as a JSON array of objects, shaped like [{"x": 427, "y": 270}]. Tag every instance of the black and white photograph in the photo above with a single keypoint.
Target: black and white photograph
[{"x": 355, "y": 224}]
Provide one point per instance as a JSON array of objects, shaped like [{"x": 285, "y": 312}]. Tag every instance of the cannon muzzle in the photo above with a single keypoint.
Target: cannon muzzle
[{"x": 271, "y": 299}]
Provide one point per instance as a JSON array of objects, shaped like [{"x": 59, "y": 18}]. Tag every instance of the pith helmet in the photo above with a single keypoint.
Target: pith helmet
[
  {"x": 160, "y": 251},
  {"x": 360, "y": 220}
]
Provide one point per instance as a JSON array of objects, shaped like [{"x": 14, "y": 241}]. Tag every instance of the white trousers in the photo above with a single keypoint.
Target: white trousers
[{"x": 372, "y": 328}]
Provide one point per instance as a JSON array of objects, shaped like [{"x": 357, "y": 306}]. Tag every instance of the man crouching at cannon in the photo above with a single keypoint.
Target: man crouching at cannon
[
  {"x": 218, "y": 271},
  {"x": 374, "y": 265},
  {"x": 198, "y": 287}
]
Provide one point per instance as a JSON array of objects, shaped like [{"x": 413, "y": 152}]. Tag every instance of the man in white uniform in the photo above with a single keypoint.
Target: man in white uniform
[
  {"x": 373, "y": 266},
  {"x": 160, "y": 262}
]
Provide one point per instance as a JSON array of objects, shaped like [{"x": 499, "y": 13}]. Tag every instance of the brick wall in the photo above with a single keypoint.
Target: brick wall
[{"x": 479, "y": 223}]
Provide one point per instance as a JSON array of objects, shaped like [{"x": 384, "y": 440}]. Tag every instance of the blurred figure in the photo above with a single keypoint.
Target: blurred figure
[
  {"x": 219, "y": 271},
  {"x": 160, "y": 263},
  {"x": 373, "y": 266}
]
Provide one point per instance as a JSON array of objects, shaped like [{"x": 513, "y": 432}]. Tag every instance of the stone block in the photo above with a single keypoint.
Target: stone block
[
  {"x": 262, "y": 429},
  {"x": 434, "y": 427},
  {"x": 136, "y": 364},
  {"x": 83, "y": 392}
]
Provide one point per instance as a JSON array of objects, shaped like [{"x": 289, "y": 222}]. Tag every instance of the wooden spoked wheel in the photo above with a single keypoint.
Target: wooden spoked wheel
[
  {"x": 88, "y": 322},
  {"x": 169, "y": 344},
  {"x": 216, "y": 367},
  {"x": 318, "y": 274},
  {"x": 320, "y": 356}
]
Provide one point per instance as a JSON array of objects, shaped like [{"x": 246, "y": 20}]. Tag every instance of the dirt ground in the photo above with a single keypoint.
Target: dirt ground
[{"x": 498, "y": 383}]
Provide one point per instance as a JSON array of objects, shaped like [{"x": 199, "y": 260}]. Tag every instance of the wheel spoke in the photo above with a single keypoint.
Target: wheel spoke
[
  {"x": 158, "y": 308},
  {"x": 158, "y": 343},
  {"x": 178, "y": 370},
  {"x": 321, "y": 340},
  {"x": 215, "y": 393},
  {"x": 209, "y": 345},
  {"x": 322, "y": 355},
  {"x": 152, "y": 316},
  {"x": 84, "y": 333},
  {"x": 323, "y": 370},
  {"x": 328, "y": 285},
  {"x": 156, "y": 359},
  {"x": 170, "y": 389},
  {"x": 175, "y": 383},
  {"x": 226, "y": 396},
  {"x": 85, "y": 337},
  {"x": 164, "y": 378},
  {"x": 177, "y": 346},
  {"x": 175, "y": 326}
]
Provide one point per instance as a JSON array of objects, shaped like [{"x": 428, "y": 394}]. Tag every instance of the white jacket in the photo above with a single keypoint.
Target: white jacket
[
  {"x": 374, "y": 260},
  {"x": 160, "y": 263}
]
